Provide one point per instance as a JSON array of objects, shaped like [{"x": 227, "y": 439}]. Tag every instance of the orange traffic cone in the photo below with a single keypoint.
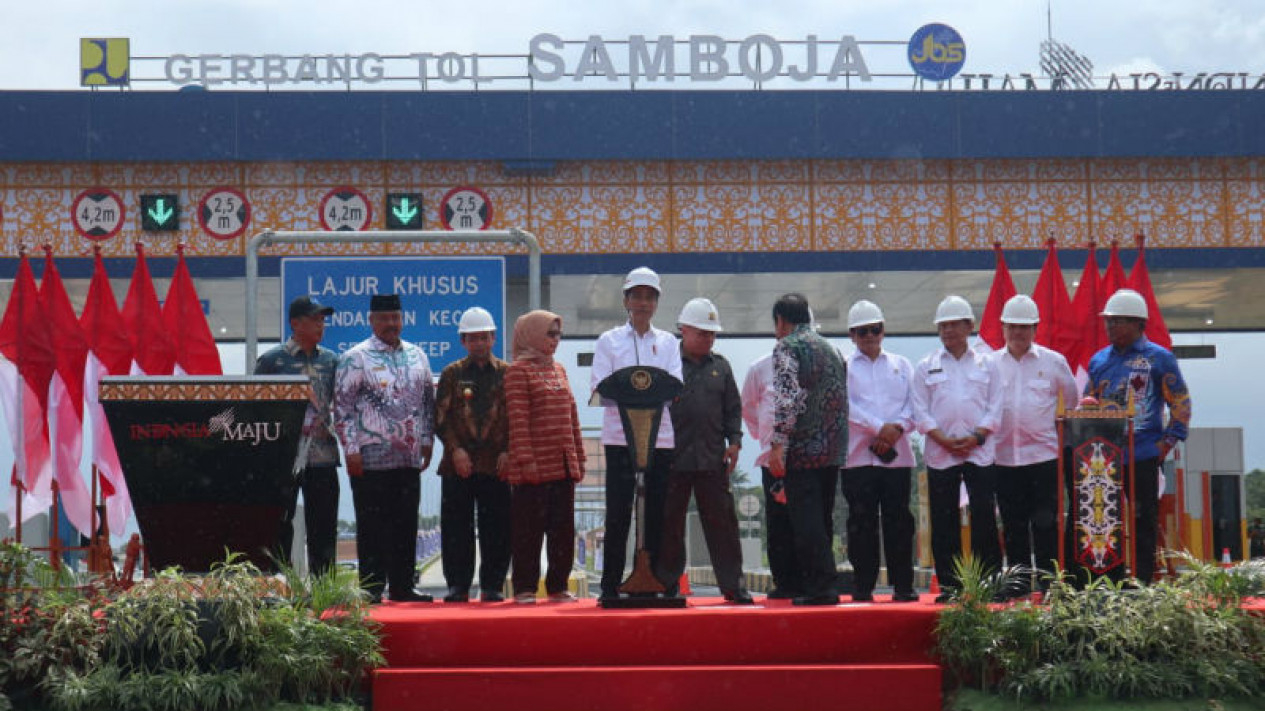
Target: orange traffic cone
[
  {"x": 684, "y": 586},
  {"x": 935, "y": 585},
  {"x": 1225, "y": 558}
]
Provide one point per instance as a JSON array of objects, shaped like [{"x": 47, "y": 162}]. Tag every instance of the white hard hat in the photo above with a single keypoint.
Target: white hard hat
[
  {"x": 864, "y": 313},
  {"x": 701, "y": 314},
  {"x": 475, "y": 320},
  {"x": 954, "y": 308},
  {"x": 1125, "y": 302},
  {"x": 1020, "y": 310},
  {"x": 642, "y": 276}
]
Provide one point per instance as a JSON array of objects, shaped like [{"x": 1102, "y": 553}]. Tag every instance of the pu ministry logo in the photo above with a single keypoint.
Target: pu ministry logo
[{"x": 105, "y": 62}]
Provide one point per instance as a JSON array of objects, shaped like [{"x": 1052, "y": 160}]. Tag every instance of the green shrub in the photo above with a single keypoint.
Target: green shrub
[{"x": 1175, "y": 639}]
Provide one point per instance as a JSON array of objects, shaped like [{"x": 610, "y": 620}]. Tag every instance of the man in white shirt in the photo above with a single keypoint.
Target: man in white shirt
[
  {"x": 757, "y": 412},
  {"x": 636, "y": 342},
  {"x": 1032, "y": 379},
  {"x": 957, "y": 405},
  {"x": 880, "y": 458}
]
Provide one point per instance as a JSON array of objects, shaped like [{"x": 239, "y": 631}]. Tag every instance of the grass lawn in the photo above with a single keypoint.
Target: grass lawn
[{"x": 972, "y": 700}]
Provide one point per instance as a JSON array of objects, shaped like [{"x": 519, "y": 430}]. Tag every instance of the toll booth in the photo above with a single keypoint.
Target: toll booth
[{"x": 1207, "y": 477}]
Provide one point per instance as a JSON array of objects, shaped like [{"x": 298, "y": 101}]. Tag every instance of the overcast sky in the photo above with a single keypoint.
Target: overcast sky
[{"x": 40, "y": 39}]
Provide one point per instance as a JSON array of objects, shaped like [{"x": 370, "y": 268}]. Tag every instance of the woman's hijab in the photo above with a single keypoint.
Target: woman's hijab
[{"x": 531, "y": 336}]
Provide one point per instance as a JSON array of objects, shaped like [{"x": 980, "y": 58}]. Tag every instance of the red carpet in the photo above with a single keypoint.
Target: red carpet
[{"x": 570, "y": 657}]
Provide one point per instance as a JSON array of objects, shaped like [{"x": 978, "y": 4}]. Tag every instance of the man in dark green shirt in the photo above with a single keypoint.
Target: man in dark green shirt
[
  {"x": 317, "y": 464},
  {"x": 707, "y": 419}
]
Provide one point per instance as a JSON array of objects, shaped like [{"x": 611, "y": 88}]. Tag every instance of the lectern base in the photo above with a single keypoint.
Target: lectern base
[{"x": 641, "y": 602}]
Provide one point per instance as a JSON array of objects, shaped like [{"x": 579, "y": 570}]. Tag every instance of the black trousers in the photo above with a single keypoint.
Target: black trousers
[
  {"x": 946, "y": 539},
  {"x": 1028, "y": 497},
  {"x": 386, "y": 502},
  {"x": 460, "y": 500},
  {"x": 320, "y": 518},
  {"x": 810, "y": 501},
  {"x": 543, "y": 512},
  {"x": 720, "y": 528},
  {"x": 780, "y": 542},
  {"x": 621, "y": 487},
  {"x": 875, "y": 493}
]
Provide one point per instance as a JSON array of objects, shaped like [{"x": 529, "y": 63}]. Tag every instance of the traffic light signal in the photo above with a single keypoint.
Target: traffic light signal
[
  {"x": 160, "y": 213},
  {"x": 404, "y": 211}
]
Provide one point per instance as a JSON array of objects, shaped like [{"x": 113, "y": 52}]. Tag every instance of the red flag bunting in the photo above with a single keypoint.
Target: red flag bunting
[
  {"x": 25, "y": 372},
  {"x": 1113, "y": 279},
  {"x": 1003, "y": 288},
  {"x": 103, "y": 326},
  {"x": 196, "y": 353},
  {"x": 153, "y": 352},
  {"x": 1140, "y": 281},
  {"x": 1050, "y": 293},
  {"x": 1087, "y": 336},
  {"x": 65, "y": 400}
]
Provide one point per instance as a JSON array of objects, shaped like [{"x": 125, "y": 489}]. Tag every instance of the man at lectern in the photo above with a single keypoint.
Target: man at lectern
[
  {"x": 634, "y": 343},
  {"x": 1133, "y": 364},
  {"x": 316, "y": 468},
  {"x": 384, "y": 402}
]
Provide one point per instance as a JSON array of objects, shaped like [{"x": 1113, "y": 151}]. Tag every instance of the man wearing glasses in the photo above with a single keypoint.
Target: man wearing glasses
[
  {"x": 1133, "y": 364},
  {"x": 876, "y": 480}
]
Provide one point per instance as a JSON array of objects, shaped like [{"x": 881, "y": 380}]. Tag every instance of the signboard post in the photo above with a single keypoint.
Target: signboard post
[{"x": 435, "y": 291}]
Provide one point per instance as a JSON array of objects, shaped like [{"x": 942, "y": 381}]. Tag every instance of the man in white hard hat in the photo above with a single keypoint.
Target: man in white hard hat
[
  {"x": 809, "y": 441},
  {"x": 957, "y": 404},
  {"x": 876, "y": 481},
  {"x": 1133, "y": 364},
  {"x": 707, "y": 422},
  {"x": 303, "y": 354},
  {"x": 1033, "y": 379},
  {"x": 636, "y": 342},
  {"x": 470, "y": 421}
]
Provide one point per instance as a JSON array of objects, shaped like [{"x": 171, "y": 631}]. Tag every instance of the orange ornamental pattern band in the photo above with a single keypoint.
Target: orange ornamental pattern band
[
  {"x": 621, "y": 207},
  {"x": 201, "y": 391}
]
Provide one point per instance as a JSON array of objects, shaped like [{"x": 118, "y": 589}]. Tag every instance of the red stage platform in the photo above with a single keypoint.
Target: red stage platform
[{"x": 576, "y": 657}]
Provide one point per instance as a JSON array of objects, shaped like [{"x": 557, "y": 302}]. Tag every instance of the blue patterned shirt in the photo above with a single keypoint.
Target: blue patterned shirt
[
  {"x": 384, "y": 404},
  {"x": 1151, "y": 373},
  {"x": 290, "y": 359}
]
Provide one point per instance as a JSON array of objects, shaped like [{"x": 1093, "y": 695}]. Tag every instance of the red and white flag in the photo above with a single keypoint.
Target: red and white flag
[
  {"x": 26, "y": 369},
  {"x": 111, "y": 354},
  {"x": 1140, "y": 281},
  {"x": 195, "y": 349},
  {"x": 1050, "y": 293},
  {"x": 990, "y": 330},
  {"x": 65, "y": 397},
  {"x": 152, "y": 351}
]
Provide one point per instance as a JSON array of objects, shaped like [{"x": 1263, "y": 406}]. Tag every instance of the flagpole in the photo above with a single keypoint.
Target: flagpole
[
  {"x": 54, "y": 539},
  {"x": 18, "y": 491},
  {"x": 21, "y": 413}
]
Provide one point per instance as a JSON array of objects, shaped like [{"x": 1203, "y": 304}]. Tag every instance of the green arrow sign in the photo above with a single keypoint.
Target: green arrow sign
[
  {"x": 160, "y": 212},
  {"x": 404, "y": 211}
]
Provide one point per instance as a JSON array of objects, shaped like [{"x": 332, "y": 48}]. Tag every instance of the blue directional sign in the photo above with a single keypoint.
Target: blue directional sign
[{"x": 434, "y": 291}]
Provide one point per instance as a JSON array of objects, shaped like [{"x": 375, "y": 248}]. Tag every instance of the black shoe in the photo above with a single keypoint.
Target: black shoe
[
  {"x": 375, "y": 598},
  {"x": 825, "y": 599},
  {"x": 781, "y": 594},
  {"x": 862, "y": 597},
  {"x": 457, "y": 595},
  {"x": 607, "y": 597},
  {"x": 944, "y": 598},
  {"x": 910, "y": 596},
  {"x": 740, "y": 597},
  {"x": 411, "y": 596},
  {"x": 492, "y": 596}
]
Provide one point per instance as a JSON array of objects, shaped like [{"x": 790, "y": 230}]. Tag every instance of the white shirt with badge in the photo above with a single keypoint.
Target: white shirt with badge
[
  {"x": 621, "y": 347},
  {"x": 1026, "y": 433},
  {"x": 956, "y": 396},
  {"x": 878, "y": 393}
]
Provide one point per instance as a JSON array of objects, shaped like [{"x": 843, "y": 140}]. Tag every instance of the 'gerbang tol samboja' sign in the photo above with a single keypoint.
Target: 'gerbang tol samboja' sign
[{"x": 699, "y": 58}]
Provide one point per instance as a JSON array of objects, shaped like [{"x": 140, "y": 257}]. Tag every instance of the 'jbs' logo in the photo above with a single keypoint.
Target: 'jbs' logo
[{"x": 936, "y": 52}]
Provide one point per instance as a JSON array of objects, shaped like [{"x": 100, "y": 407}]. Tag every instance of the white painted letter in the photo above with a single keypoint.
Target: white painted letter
[
  {"x": 640, "y": 63},
  {"x": 770, "y": 63},
  {"x": 710, "y": 49},
  {"x": 849, "y": 59},
  {"x": 537, "y": 54}
]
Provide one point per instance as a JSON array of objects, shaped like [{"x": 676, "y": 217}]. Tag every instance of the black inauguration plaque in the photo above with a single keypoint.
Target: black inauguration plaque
[{"x": 207, "y": 461}]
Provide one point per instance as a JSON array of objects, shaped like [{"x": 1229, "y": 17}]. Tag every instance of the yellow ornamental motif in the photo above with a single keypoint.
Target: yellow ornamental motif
[{"x": 1098, "y": 496}]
